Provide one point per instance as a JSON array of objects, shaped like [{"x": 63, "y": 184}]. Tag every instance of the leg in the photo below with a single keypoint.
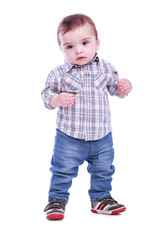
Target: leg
[
  {"x": 100, "y": 167},
  {"x": 68, "y": 155}
]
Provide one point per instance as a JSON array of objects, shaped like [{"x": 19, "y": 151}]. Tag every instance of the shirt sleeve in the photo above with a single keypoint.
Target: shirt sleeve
[
  {"x": 51, "y": 88},
  {"x": 112, "y": 85}
]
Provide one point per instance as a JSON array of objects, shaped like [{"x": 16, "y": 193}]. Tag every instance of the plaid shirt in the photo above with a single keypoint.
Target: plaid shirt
[{"x": 89, "y": 117}]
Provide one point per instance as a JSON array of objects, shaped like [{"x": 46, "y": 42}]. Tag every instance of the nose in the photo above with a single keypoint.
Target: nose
[{"x": 78, "y": 49}]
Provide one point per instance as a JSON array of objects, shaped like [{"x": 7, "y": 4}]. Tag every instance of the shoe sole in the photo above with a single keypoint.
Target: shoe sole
[
  {"x": 114, "y": 212},
  {"x": 55, "y": 216}
]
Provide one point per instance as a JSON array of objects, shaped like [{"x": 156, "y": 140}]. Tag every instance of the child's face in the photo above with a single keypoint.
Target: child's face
[{"x": 79, "y": 46}]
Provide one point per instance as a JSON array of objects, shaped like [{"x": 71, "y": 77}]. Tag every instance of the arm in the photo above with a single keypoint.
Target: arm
[
  {"x": 51, "y": 89},
  {"x": 116, "y": 86},
  {"x": 51, "y": 94},
  {"x": 112, "y": 84}
]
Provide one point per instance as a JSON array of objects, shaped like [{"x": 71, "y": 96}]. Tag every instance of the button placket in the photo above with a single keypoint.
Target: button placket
[{"x": 87, "y": 102}]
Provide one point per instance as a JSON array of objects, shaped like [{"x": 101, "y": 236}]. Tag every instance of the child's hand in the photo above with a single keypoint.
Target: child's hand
[
  {"x": 124, "y": 87},
  {"x": 66, "y": 99}
]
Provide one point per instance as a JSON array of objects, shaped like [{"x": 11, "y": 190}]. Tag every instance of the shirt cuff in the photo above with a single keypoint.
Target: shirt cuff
[{"x": 47, "y": 99}]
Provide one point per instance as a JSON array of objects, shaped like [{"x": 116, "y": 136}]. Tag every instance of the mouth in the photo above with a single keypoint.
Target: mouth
[{"x": 80, "y": 58}]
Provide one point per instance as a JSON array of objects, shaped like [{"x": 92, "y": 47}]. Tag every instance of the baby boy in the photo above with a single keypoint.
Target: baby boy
[{"x": 79, "y": 89}]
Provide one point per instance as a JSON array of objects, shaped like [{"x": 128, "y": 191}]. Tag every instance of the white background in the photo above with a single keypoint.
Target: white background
[{"x": 129, "y": 34}]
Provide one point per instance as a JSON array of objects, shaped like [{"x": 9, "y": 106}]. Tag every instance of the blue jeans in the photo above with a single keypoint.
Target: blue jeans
[{"x": 70, "y": 153}]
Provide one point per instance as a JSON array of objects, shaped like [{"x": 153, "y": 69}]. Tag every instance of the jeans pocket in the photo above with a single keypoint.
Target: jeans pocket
[{"x": 58, "y": 136}]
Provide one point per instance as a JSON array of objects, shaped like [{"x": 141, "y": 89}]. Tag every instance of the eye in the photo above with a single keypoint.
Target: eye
[
  {"x": 85, "y": 43},
  {"x": 69, "y": 47}
]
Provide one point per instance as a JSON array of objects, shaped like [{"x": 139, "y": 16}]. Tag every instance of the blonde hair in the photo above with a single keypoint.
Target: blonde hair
[{"x": 74, "y": 21}]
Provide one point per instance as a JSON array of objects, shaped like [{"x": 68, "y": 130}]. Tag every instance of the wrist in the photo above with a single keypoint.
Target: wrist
[{"x": 54, "y": 102}]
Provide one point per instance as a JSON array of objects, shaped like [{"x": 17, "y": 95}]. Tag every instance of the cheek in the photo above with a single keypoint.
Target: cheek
[
  {"x": 69, "y": 55},
  {"x": 65, "y": 53},
  {"x": 92, "y": 52}
]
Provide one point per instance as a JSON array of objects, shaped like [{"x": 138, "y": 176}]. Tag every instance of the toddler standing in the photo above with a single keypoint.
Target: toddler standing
[{"x": 79, "y": 89}]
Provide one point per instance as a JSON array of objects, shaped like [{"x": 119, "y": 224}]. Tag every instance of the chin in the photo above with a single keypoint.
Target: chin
[{"x": 82, "y": 63}]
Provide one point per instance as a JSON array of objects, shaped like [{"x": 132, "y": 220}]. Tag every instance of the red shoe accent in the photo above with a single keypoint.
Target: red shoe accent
[
  {"x": 94, "y": 211},
  {"x": 55, "y": 216},
  {"x": 118, "y": 211},
  {"x": 101, "y": 206}
]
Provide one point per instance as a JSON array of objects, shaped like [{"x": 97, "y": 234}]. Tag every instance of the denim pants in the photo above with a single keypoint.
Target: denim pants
[{"x": 69, "y": 153}]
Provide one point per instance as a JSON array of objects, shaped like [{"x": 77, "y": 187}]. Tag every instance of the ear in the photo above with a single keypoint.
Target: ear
[{"x": 98, "y": 44}]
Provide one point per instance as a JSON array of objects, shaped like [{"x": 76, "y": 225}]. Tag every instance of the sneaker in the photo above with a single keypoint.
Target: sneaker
[
  {"x": 107, "y": 206},
  {"x": 55, "y": 209}
]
